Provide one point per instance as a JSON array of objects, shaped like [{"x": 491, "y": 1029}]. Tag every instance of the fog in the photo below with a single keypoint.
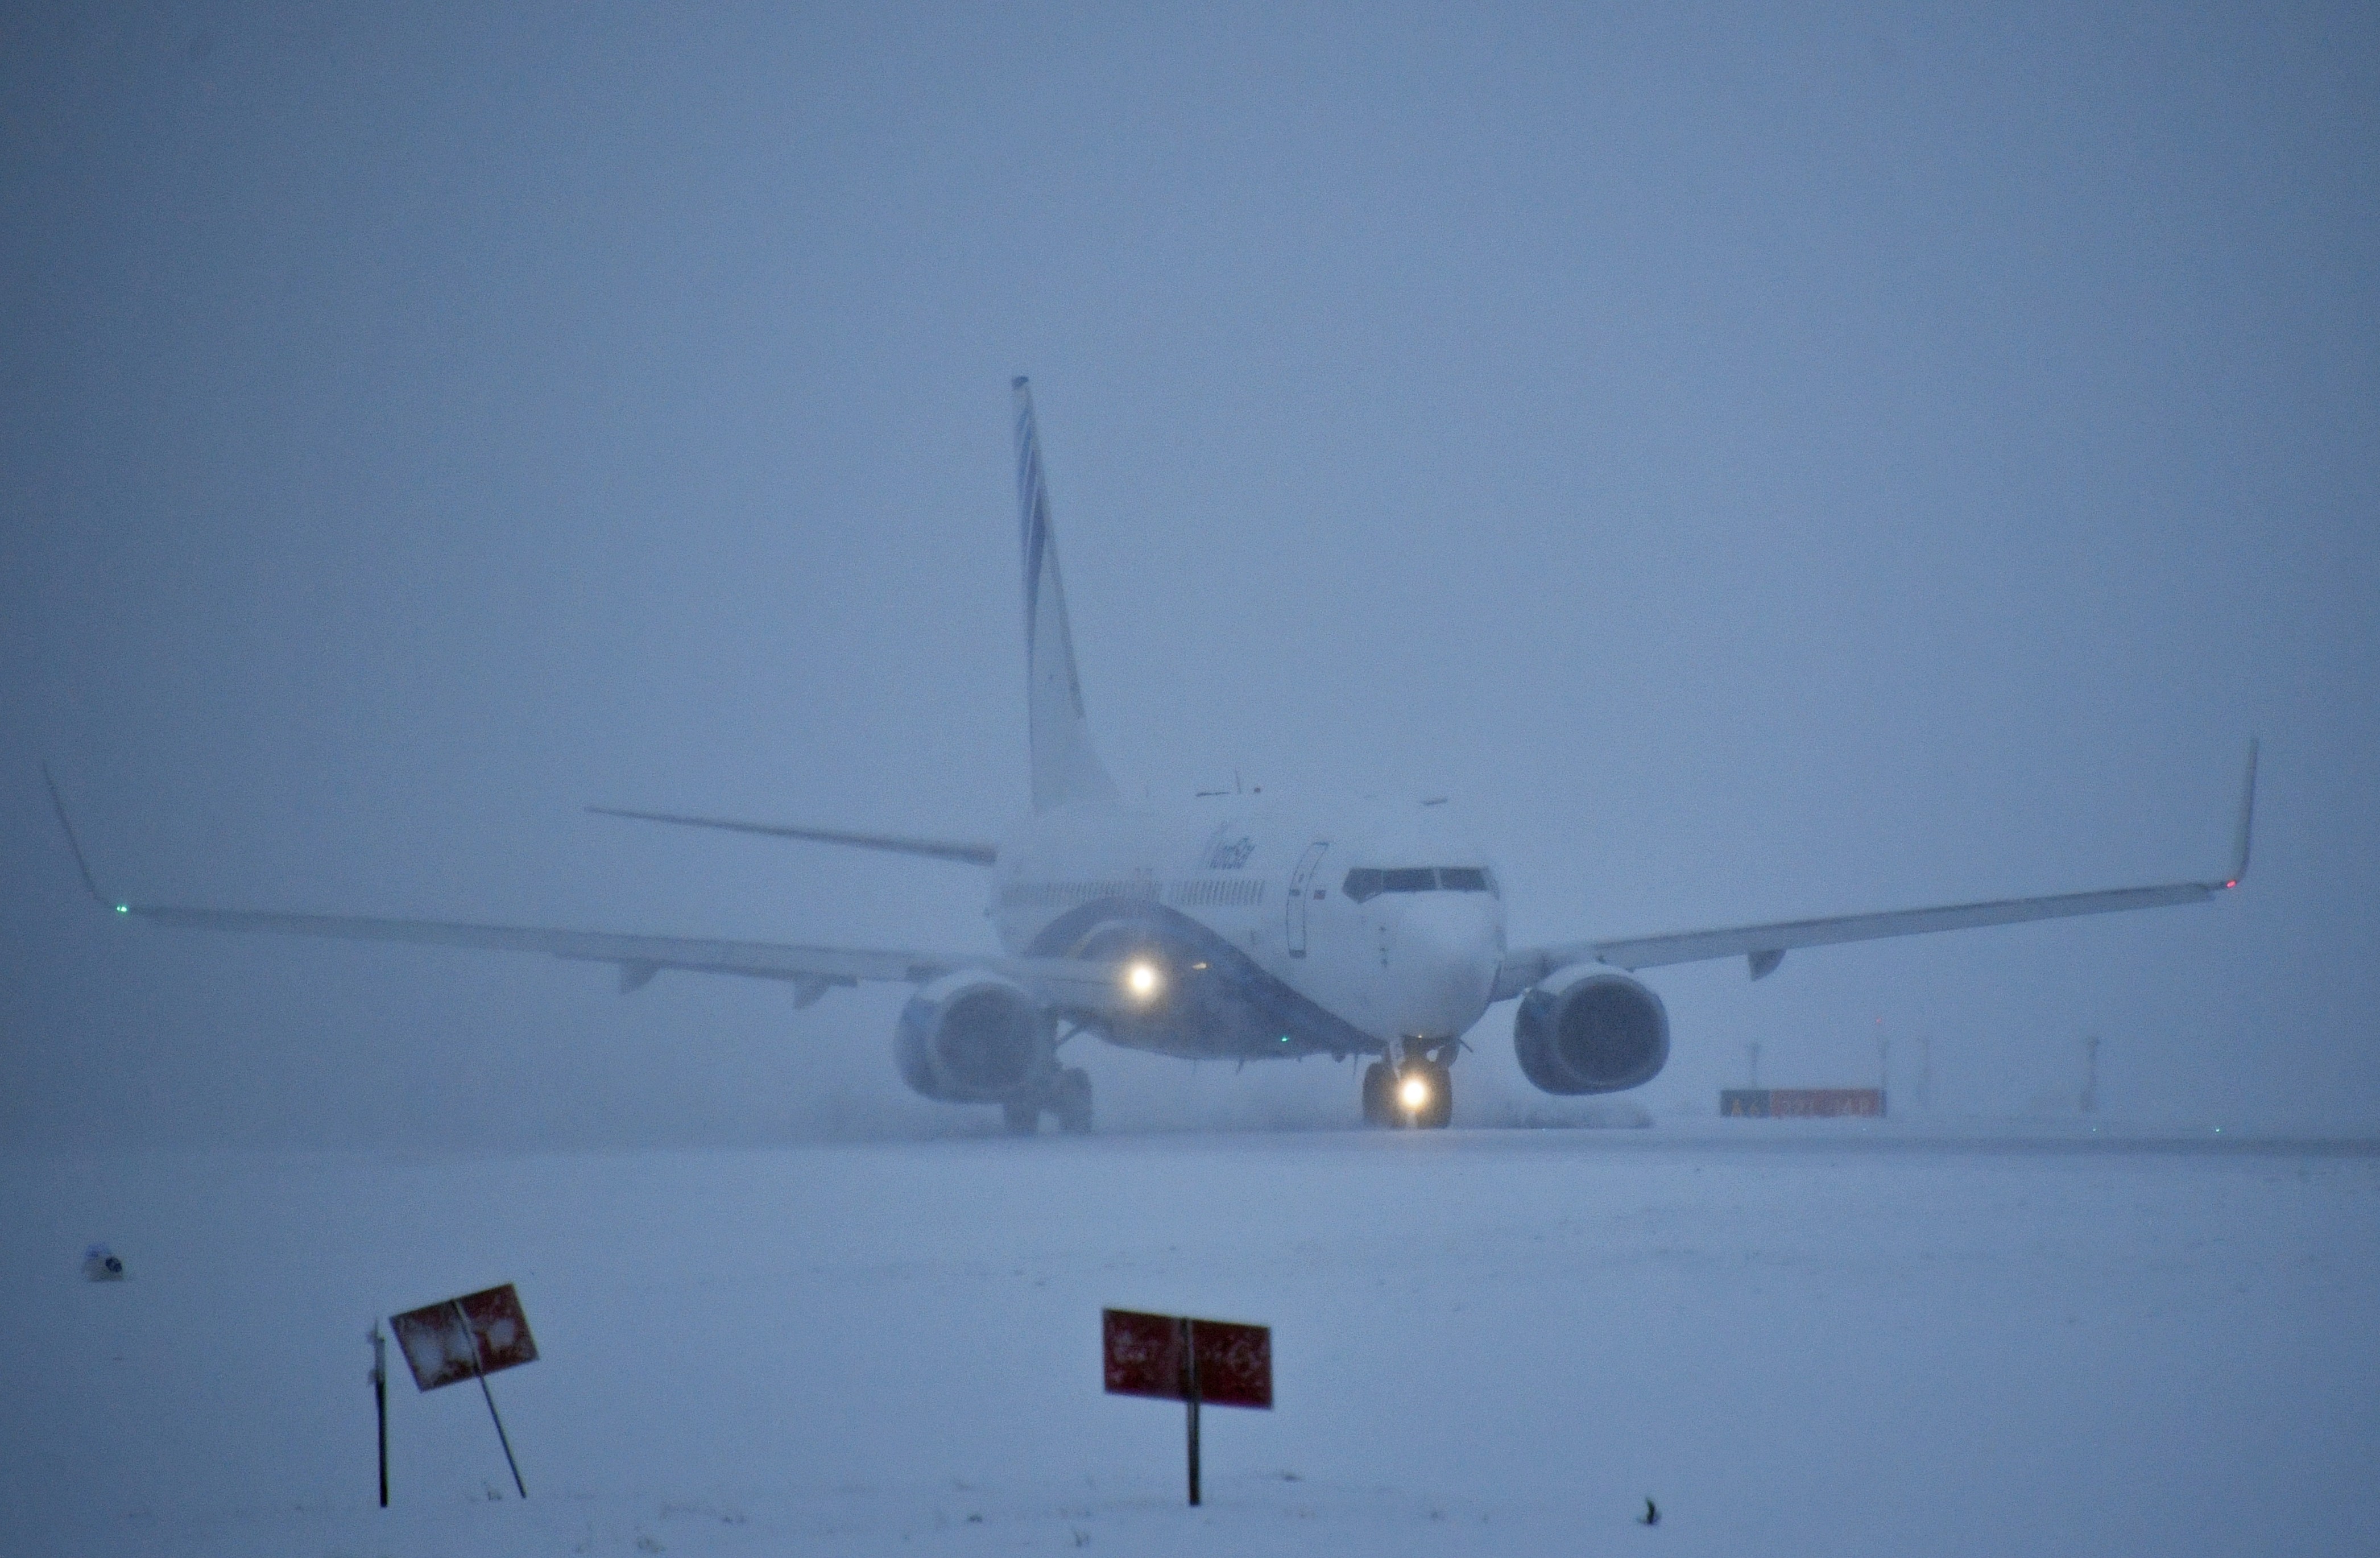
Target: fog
[{"x": 1759, "y": 466}]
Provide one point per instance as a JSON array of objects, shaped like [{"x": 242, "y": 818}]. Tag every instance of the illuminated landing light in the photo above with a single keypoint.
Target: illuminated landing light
[
  {"x": 1414, "y": 1093},
  {"x": 1142, "y": 981}
]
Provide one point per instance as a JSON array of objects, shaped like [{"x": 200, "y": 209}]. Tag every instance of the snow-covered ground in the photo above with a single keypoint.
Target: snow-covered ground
[{"x": 1861, "y": 1341}]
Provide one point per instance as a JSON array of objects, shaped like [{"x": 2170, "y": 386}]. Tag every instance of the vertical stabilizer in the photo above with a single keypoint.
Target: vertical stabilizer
[{"x": 1066, "y": 772}]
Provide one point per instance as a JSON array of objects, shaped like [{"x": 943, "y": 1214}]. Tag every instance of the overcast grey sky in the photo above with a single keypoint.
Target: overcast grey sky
[{"x": 1760, "y": 463}]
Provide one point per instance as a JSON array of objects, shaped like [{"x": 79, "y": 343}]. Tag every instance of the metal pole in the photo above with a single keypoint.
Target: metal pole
[
  {"x": 508, "y": 1444},
  {"x": 478, "y": 1372},
  {"x": 1190, "y": 1396},
  {"x": 380, "y": 1403}
]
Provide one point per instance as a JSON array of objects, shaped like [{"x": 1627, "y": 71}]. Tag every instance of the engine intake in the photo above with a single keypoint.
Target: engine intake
[
  {"x": 1591, "y": 1031},
  {"x": 974, "y": 1038}
]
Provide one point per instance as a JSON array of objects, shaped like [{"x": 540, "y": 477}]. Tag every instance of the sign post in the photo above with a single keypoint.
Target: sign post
[
  {"x": 1190, "y": 1394},
  {"x": 480, "y": 1373},
  {"x": 468, "y": 1338},
  {"x": 1171, "y": 1358},
  {"x": 380, "y": 1402}
]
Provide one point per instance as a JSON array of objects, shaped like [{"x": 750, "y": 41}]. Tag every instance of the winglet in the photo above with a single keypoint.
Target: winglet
[
  {"x": 58, "y": 805},
  {"x": 2239, "y": 870}
]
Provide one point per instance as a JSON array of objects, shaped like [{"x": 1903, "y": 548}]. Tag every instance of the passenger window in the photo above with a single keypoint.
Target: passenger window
[
  {"x": 1363, "y": 885},
  {"x": 1463, "y": 879}
]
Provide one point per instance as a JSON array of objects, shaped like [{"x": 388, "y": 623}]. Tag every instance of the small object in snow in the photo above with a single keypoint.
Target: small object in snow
[
  {"x": 1652, "y": 1516},
  {"x": 100, "y": 1264}
]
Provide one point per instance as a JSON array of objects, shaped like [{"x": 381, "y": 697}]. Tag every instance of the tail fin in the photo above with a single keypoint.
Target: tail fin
[{"x": 1066, "y": 772}]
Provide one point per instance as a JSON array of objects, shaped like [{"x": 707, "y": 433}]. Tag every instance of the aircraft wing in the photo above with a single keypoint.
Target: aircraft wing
[
  {"x": 1765, "y": 946},
  {"x": 1068, "y": 983}
]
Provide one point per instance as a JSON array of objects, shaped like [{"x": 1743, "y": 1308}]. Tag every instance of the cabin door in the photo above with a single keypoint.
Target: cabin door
[{"x": 1300, "y": 887}]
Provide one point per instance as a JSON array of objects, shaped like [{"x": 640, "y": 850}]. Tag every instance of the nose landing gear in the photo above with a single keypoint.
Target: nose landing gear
[{"x": 1417, "y": 1093}]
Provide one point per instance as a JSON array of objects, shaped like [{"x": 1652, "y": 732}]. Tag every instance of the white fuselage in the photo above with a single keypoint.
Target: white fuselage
[{"x": 1248, "y": 903}]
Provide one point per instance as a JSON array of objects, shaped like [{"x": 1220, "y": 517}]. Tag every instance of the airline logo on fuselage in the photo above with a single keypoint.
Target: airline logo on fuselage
[{"x": 1229, "y": 854}]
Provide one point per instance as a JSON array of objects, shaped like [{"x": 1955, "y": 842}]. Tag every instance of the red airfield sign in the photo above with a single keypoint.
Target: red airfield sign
[
  {"x": 1191, "y": 1361},
  {"x": 465, "y": 1338},
  {"x": 1150, "y": 1355}
]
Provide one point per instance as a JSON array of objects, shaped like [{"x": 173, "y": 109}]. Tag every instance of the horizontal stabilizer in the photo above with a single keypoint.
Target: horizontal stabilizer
[{"x": 963, "y": 850}]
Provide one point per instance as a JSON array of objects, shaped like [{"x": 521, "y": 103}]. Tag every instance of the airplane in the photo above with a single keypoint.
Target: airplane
[{"x": 1232, "y": 927}]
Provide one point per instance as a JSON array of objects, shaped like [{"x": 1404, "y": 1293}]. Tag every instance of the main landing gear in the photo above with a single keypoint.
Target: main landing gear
[
  {"x": 1418, "y": 1093},
  {"x": 1067, "y": 1096}
]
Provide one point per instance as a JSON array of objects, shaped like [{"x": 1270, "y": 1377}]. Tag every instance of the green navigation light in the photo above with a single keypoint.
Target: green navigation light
[{"x": 123, "y": 908}]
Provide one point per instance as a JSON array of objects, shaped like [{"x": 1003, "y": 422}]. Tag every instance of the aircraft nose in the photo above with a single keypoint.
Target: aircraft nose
[{"x": 1444, "y": 965}]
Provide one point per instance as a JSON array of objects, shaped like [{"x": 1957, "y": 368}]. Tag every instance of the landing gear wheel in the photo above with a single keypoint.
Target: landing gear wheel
[
  {"x": 1070, "y": 1100},
  {"x": 1023, "y": 1117},
  {"x": 1379, "y": 1082},
  {"x": 1439, "y": 1111}
]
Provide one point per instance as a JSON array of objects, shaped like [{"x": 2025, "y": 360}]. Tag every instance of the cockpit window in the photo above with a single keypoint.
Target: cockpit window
[{"x": 1366, "y": 882}]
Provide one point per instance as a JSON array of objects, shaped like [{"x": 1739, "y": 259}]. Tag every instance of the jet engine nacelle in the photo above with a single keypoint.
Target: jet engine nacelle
[
  {"x": 974, "y": 1038},
  {"x": 1591, "y": 1030}
]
